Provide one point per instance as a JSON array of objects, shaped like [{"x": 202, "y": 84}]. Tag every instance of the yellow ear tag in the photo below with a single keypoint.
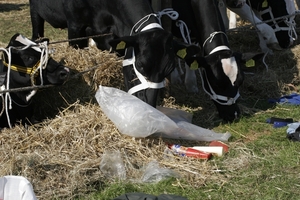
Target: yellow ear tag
[
  {"x": 181, "y": 53},
  {"x": 194, "y": 65},
  {"x": 121, "y": 45},
  {"x": 265, "y": 4},
  {"x": 250, "y": 63}
]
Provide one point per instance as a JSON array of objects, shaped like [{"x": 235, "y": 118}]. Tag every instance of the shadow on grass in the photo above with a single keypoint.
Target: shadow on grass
[{"x": 7, "y": 7}]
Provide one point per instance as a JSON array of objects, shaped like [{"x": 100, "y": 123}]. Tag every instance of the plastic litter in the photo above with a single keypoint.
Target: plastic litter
[
  {"x": 153, "y": 173},
  {"x": 219, "y": 144},
  {"x": 292, "y": 99},
  {"x": 292, "y": 127},
  {"x": 279, "y": 122},
  {"x": 214, "y": 150},
  {"x": 189, "y": 152},
  {"x": 16, "y": 188},
  {"x": 136, "y": 118},
  {"x": 112, "y": 165}
]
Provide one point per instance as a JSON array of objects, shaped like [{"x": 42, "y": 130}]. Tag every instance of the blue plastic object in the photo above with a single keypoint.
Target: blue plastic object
[
  {"x": 280, "y": 124},
  {"x": 292, "y": 99}
]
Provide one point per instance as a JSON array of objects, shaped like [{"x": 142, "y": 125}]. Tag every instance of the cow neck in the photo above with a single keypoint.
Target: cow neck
[{"x": 142, "y": 25}]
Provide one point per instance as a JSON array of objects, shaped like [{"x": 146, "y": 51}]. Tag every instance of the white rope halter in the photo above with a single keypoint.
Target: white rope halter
[
  {"x": 43, "y": 48},
  {"x": 291, "y": 24},
  {"x": 145, "y": 83}
]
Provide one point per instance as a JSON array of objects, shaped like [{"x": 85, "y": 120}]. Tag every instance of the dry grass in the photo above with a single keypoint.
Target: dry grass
[{"x": 61, "y": 156}]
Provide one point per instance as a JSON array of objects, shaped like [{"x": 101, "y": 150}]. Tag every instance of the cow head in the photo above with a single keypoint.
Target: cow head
[
  {"x": 149, "y": 59},
  {"x": 276, "y": 14},
  {"x": 221, "y": 74},
  {"x": 24, "y": 64}
]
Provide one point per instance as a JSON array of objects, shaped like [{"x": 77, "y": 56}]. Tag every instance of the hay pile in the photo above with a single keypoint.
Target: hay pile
[{"x": 61, "y": 156}]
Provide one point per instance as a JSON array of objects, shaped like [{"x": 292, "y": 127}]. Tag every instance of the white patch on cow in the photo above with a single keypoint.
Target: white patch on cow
[
  {"x": 230, "y": 68},
  {"x": 27, "y": 42}
]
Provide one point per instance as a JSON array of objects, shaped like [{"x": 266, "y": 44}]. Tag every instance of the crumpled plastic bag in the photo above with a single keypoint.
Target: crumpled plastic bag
[
  {"x": 112, "y": 165},
  {"x": 16, "y": 188},
  {"x": 136, "y": 118},
  {"x": 153, "y": 173},
  {"x": 131, "y": 115}
]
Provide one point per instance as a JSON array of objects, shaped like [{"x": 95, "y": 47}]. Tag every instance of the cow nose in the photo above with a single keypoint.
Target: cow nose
[{"x": 64, "y": 74}]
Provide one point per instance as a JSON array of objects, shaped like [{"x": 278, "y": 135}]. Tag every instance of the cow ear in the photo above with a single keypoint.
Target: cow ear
[
  {"x": 122, "y": 43},
  {"x": 196, "y": 62},
  {"x": 13, "y": 39},
  {"x": 184, "y": 51}
]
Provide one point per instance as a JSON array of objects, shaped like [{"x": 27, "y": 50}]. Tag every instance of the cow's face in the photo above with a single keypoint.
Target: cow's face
[
  {"x": 222, "y": 76},
  {"x": 24, "y": 65},
  {"x": 154, "y": 56},
  {"x": 285, "y": 26}
]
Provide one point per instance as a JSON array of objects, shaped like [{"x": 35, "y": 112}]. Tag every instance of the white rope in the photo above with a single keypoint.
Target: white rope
[
  {"x": 172, "y": 14},
  {"x": 7, "y": 98},
  {"x": 43, "y": 48},
  {"x": 184, "y": 31},
  {"x": 212, "y": 35}
]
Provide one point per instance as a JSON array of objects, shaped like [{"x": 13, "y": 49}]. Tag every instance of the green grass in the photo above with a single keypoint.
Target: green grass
[{"x": 265, "y": 165}]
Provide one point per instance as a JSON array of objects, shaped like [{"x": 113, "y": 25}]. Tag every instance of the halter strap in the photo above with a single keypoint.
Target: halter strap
[
  {"x": 131, "y": 61},
  {"x": 290, "y": 24},
  {"x": 216, "y": 97}
]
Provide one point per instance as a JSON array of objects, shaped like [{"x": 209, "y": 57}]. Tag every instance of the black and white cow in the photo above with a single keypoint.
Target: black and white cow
[
  {"x": 274, "y": 21},
  {"x": 130, "y": 26},
  {"x": 24, "y": 64},
  {"x": 219, "y": 66}
]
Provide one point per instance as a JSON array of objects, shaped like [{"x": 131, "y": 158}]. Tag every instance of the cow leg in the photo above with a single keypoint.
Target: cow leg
[
  {"x": 75, "y": 32},
  {"x": 37, "y": 25}
]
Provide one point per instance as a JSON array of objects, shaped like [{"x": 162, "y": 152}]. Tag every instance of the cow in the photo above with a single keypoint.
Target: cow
[
  {"x": 278, "y": 30},
  {"x": 220, "y": 68},
  {"x": 130, "y": 28},
  {"x": 24, "y": 64}
]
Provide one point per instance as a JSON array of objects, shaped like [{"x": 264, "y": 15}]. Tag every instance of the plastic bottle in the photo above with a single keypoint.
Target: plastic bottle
[{"x": 189, "y": 152}]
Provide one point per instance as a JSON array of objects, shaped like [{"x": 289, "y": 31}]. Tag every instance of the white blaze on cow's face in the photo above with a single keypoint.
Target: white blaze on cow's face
[{"x": 230, "y": 68}]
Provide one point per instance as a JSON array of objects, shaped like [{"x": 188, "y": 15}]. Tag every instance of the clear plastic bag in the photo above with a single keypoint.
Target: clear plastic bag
[
  {"x": 136, "y": 118},
  {"x": 112, "y": 165},
  {"x": 153, "y": 173},
  {"x": 131, "y": 115}
]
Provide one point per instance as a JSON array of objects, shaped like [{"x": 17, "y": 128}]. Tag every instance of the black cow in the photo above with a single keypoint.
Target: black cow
[
  {"x": 220, "y": 68},
  {"x": 129, "y": 25},
  {"x": 25, "y": 69},
  {"x": 279, "y": 17}
]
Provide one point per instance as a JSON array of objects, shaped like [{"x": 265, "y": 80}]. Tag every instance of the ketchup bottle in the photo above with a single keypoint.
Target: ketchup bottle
[{"x": 188, "y": 152}]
